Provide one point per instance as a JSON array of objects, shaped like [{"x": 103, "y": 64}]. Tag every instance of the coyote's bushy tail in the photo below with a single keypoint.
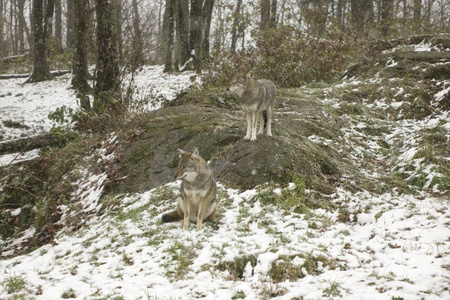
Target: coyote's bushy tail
[{"x": 172, "y": 216}]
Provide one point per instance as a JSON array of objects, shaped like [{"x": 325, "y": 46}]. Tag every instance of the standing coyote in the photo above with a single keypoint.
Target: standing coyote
[
  {"x": 255, "y": 96},
  {"x": 198, "y": 191}
]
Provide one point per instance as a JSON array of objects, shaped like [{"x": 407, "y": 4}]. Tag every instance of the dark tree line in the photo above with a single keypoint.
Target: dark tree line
[
  {"x": 179, "y": 33},
  {"x": 188, "y": 24}
]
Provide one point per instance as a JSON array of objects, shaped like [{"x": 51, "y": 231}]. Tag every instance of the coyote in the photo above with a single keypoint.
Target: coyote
[
  {"x": 198, "y": 191},
  {"x": 255, "y": 96}
]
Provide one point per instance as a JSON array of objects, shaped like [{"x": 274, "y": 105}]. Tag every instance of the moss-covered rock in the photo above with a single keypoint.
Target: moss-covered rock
[{"x": 149, "y": 156}]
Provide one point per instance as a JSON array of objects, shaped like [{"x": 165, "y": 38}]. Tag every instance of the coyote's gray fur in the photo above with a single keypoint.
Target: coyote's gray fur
[
  {"x": 198, "y": 191},
  {"x": 255, "y": 96}
]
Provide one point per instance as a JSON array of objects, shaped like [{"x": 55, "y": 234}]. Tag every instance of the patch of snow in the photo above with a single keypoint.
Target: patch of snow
[
  {"x": 439, "y": 96},
  {"x": 422, "y": 47},
  {"x": 8, "y": 159}
]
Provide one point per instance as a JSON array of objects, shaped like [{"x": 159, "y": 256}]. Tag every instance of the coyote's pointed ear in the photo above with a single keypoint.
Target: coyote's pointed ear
[
  {"x": 248, "y": 78},
  {"x": 195, "y": 154},
  {"x": 180, "y": 152}
]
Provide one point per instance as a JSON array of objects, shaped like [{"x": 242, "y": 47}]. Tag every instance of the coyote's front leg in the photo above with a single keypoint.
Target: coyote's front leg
[
  {"x": 249, "y": 125},
  {"x": 187, "y": 212},
  {"x": 201, "y": 211},
  {"x": 261, "y": 123},
  {"x": 255, "y": 118}
]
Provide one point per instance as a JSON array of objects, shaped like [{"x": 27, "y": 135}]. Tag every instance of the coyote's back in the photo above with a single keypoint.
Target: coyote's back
[{"x": 255, "y": 97}]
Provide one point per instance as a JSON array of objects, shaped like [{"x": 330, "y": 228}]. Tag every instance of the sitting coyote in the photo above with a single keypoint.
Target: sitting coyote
[
  {"x": 198, "y": 191},
  {"x": 255, "y": 96}
]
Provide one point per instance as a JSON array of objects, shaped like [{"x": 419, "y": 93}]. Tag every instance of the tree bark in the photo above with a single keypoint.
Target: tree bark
[
  {"x": 48, "y": 22},
  {"x": 265, "y": 14},
  {"x": 273, "y": 14},
  {"x": 41, "y": 69},
  {"x": 235, "y": 27},
  {"x": 58, "y": 26},
  {"x": 107, "y": 87},
  {"x": 417, "y": 14},
  {"x": 200, "y": 20},
  {"x": 1, "y": 33},
  {"x": 22, "y": 25},
  {"x": 70, "y": 28},
  {"x": 183, "y": 29},
  {"x": 30, "y": 143},
  {"x": 195, "y": 32},
  {"x": 80, "y": 66},
  {"x": 360, "y": 13},
  {"x": 138, "y": 42},
  {"x": 386, "y": 17},
  {"x": 168, "y": 35},
  {"x": 340, "y": 13},
  {"x": 207, "y": 17}
]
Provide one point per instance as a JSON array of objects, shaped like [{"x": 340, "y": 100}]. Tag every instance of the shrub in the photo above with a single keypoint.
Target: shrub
[{"x": 286, "y": 57}]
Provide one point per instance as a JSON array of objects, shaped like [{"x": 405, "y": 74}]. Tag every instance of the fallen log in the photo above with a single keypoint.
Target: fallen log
[
  {"x": 13, "y": 76},
  {"x": 15, "y": 57},
  {"x": 30, "y": 143}
]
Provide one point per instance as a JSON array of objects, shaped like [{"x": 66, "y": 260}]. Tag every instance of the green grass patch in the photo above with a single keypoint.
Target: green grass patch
[
  {"x": 294, "y": 198},
  {"x": 69, "y": 294},
  {"x": 14, "y": 284},
  {"x": 333, "y": 291},
  {"x": 182, "y": 256},
  {"x": 293, "y": 267},
  {"x": 237, "y": 266}
]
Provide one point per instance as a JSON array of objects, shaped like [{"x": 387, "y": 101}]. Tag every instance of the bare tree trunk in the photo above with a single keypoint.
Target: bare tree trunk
[
  {"x": 405, "y": 10},
  {"x": 427, "y": 17},
  {"x": 360, "y": 13},
  {"x": 160, "y": 52},
  {"x": 265, "y": 14},
  {"x": 58, "y": 26},
  {"x": 80, "y": 66},
  {"x": 117, "y": 6},
  {"x": 320, "y": 19},
  {"x": 235, "y": 27},
  {"x": 168, "y": 35},
  {"x": 27, "y": 32},
  {"x": 219, "y": 31},
  {"x": 70, "y": 33},
  {"x": 41, "y": 69},
  {"x": 283, "y": 8},
  {"x": 48, "y": 21},
  {"x": 107, "y": 85},
  {"x": 273, "y": 14},
  {"x": 183, "y": 29},
  {"x": 138, "y": 43},
  {"x": 13, "y": 40},
  {"x": 195, "y": 24},
  {"x": 386, "y": 16},
  {"x": 200, "y": 21},
  {"x": 417, "y": 14},
  {"x": 22, "y": 25},
  {"x": 340, "y": 13},
  {"x": 207, "y": 17},
  {"x": 1, "y": 34},
  {"x": 195, "y": 32}
]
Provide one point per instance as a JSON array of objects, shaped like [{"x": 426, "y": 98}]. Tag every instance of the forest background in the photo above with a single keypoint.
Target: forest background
[{"x": 290, "y": 42}]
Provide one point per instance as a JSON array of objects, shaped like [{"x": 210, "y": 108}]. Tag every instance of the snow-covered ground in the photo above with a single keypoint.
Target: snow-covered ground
[
  {"x": 397, "y": 246},
  {"x": 28, "y": 105},
  {"x": 393, "y": 246}
]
